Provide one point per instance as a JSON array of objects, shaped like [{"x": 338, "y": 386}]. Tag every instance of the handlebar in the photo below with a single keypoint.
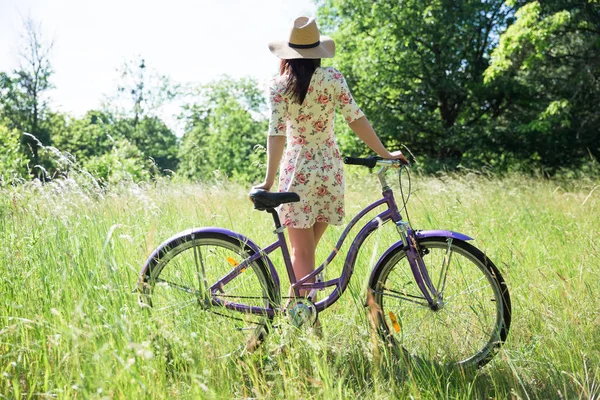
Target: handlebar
[{"x": 372, "y": 161}]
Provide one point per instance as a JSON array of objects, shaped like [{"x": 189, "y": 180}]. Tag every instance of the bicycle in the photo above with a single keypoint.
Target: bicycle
[{"x": 436, "y": 296}]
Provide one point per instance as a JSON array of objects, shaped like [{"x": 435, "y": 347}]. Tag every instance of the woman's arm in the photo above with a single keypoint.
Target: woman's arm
[
  {"x": 363, "y": 129},
  {"x": 275, "y": 147}
]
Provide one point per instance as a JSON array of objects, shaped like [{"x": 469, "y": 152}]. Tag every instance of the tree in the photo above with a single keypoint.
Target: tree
[
  {"x": 141, "y": 93},
  {"x": 95, "y": 135},
  {"x": 23, "y": 100},
  {"x": 550, "y": 60},
  {"x": 416, "y": 68},
  {"x": 84, "y": 138},
  {"x": 224, "y": 132},
  {"x": 10, "y": 99},
  {"x": 124, "y": 162},
  {"x": 154, "y": 139}
]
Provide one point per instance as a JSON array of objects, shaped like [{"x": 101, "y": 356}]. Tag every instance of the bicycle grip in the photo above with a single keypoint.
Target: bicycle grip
[{"x": 367, "y": 162}]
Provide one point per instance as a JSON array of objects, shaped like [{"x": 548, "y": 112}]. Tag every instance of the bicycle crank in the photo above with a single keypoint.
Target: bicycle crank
[{"x": 302, "y": 312}]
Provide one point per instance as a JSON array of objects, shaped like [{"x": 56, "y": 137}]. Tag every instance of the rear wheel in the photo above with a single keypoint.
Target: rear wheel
[
  {"x": 471, "y": 319},
  {"x": 175, "y": 285}
]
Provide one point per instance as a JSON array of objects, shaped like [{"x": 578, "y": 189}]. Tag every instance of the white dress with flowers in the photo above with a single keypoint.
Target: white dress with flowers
[{"x": 311, "y": 164}]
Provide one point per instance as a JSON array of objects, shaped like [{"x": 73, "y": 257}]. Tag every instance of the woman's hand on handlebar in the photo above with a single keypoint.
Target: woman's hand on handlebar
[{"x": 397, "y": 155}]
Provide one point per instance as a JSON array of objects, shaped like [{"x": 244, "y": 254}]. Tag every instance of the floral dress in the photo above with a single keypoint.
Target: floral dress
[{"x": 311, "y": 164}]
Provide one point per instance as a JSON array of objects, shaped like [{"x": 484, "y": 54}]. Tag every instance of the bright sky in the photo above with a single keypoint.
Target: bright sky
[{"x": 188, "y": 40}]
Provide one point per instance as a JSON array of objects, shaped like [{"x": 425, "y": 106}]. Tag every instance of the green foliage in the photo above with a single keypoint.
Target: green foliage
[
  {"x": 132, "y": 113},
  {"x": 84, "y": 145},
  {"x": 549, "y": 60},
  {"x": 94, "y": 135},
  {"x": 154, "y": 139},
  {"x": 224, "y": 132},
  {"x": 13, "y": 161},
  {"x": 84, "y": 138},
  {"x": 473, "y": 83},
  {"x": 24, "y": 112},
  {"x": 416, "y": 68},
  {"x": 125, "y": 162}
]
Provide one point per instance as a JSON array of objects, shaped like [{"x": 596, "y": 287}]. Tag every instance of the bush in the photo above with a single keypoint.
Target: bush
[
  {"x": 13, "y": 163},
  {"x": 124, "y": 162}
]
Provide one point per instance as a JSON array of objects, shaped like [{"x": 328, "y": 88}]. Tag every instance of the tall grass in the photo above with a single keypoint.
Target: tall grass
[{"x": 70, "y": 325}]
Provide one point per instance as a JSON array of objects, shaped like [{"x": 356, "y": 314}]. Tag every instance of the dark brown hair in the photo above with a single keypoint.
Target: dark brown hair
[{"x": 300, "y": 72}]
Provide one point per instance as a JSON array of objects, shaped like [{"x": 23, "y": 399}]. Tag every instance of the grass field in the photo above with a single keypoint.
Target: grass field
[{"x": 70, "y": 326}]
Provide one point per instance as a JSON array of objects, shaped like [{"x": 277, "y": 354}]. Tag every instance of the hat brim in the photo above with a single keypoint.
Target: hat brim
[{"x": 282, "y": 49}]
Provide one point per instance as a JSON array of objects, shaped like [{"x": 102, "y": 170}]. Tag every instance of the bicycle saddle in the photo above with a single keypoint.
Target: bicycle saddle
[{"x": 264, "y": 200}]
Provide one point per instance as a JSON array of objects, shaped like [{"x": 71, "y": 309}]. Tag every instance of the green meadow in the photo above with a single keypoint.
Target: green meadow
[{"x": 71, "y": 326}]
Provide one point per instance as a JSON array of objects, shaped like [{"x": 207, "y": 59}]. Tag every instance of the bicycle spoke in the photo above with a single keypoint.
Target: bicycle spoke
[
  {"x": 176, "y": 286},
  {"x": 201, "y": 280},
  {"x": 473, "y": 334},
  {"x": 232, "y": 288},
  {"x": 403, "y": 293},
  {"x": 256, "y": 323},
  {"x": 469, "y": 290},
  {"x": 397, "y": 296},
  {"x": 175, "y": 308},
  {"x": 240, "y": 297},
  {"x": 444, "y": 269}
]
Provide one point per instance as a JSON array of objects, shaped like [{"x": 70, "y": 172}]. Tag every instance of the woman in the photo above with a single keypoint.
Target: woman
[{"x": 301, "y": 141}]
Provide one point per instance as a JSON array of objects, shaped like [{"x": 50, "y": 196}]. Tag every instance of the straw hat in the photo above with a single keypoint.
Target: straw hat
[{"x": 305, "y": 42}]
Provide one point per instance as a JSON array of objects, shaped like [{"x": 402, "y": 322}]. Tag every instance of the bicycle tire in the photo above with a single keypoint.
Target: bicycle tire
[
  {"x": 457, "y": 334},
  {"x": 174, "y": 285}
]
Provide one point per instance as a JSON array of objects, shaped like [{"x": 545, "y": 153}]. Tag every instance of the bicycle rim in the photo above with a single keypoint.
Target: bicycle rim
[
  {"x": 176, "y": 289},
  {"x": 472, "y": 320}
]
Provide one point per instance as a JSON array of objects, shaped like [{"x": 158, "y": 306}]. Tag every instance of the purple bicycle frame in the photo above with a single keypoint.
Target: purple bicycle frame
[{"x": 341, "y": 283}]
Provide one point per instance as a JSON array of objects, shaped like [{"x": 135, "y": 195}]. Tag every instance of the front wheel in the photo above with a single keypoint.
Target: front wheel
[
  {"x": 175, "y": 285},
  {"x": 471, "y": 318}
]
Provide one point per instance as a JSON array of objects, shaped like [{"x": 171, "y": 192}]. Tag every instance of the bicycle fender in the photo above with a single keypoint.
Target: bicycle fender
[
  {"x": 419, "y": 235},
  {"x": 221, "y": 231}
]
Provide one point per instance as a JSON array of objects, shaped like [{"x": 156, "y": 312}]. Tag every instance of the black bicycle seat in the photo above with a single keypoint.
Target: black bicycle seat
[{"x": 264, "y": 200}]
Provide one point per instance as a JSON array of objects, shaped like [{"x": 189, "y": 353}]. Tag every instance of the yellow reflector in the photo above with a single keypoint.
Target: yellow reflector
[
  {"x": 232, "y": 262},
  {"x": 394, "y": 322}
]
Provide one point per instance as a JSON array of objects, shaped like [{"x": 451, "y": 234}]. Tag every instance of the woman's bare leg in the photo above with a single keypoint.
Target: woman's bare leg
[
  {"x": 302, "y": 251},
  {"x": 303, "y": 244},
  {"x": 319, "y": 229}
]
